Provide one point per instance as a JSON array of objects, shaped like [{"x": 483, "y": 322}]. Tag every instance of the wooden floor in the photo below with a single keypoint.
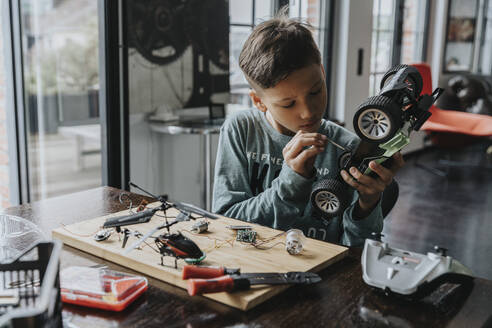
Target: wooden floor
[{"x": 454, "y": 211}]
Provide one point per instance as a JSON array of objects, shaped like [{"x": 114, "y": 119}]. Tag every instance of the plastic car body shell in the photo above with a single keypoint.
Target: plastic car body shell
[{"x": 403, "y": 272}]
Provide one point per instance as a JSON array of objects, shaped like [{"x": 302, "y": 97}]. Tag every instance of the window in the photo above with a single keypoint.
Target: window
[
  {"x": 413, "y": 45},
  {"x": 310, "y": 11},
  {"x": 382, "y": 42},
  {"x": 244, "y": 15},
  {"x": 57, "y": 73},
  {"x": 398, "y": 37}
]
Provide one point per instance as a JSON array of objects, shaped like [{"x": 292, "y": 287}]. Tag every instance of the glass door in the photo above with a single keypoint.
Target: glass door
[{"x": 60, "y": 72}]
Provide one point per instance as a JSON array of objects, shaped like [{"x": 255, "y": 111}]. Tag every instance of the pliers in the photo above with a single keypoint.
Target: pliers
[{"x": 220, "y": 279}]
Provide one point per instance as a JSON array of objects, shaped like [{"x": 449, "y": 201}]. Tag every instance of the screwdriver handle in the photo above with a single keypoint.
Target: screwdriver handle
[{"x": 216, "y": 285}]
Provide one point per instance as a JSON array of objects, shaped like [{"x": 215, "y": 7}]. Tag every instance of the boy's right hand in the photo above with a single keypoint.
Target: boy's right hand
[{"x": 301, "y": 151}]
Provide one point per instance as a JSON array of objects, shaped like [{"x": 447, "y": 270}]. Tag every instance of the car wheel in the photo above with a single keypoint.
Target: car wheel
[
  {"x": 330, "y": 197},
  {"x": 344, "y": 159},
  {"x": 377, "y": 119},
  {"x": 414, "y": 79}
]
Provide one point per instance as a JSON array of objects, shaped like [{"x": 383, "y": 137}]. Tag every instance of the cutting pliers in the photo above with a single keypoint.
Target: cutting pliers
[{"x": 203, "y": 280}]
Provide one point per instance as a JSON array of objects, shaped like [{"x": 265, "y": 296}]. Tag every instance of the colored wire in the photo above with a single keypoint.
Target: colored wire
[
  {"x": 266, "y": 248},
  {"x": 129, "y": 199},
  {"x": 78, "y": 234},
  {"x": 260, "y": 242},
  {"x": 215, "y": 240}
]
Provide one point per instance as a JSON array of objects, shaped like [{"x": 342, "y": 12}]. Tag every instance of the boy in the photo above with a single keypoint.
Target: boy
[{"x": 269, "y": 157}]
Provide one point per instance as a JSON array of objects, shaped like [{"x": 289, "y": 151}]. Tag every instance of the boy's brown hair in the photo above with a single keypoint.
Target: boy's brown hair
[{"x": 276, "y": 48}]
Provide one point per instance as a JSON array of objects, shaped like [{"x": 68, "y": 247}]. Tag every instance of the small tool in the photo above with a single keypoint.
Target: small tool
[
  {"x": 239, "y": 227},
  {"x": 220, "y": 279}
]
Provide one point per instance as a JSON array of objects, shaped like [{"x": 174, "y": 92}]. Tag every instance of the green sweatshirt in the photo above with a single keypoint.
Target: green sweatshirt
[{"x": 253, "y": 184}]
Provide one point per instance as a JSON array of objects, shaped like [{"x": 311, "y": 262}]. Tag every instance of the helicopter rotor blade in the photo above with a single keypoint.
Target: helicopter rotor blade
[
  {"x": 140, "y": 241},
  {"x": 135, "y": 218},
  {"x": 189, "y": 208},
  {"x": 147, "y": 235}
]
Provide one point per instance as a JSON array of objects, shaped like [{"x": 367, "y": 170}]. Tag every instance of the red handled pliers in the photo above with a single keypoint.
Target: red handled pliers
[{"x": 219, "y": 279}]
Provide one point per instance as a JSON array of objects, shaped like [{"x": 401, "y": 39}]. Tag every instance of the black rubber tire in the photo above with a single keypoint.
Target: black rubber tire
[
  {"x": 343, "y": 158},
  {"x": 381, "y": 111},
  {"x": 330, "y": 197},
  {"x": 414, "y": 75}
]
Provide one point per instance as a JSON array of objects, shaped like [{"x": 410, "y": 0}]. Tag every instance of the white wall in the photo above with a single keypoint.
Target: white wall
[{"x": 353, "y": 28}]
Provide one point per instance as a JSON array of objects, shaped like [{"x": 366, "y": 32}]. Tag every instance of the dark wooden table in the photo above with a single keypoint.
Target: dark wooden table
[{"x": 342, "y": 299}]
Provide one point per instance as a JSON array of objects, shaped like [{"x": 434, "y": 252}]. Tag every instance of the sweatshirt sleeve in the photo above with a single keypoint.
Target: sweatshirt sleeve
[
  {"x": 284, "y": 200},
  {"x": 355, "y": 230}
]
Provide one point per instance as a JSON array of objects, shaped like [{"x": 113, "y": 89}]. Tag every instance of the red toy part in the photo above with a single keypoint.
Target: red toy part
[{"x": 451, "y": 121}]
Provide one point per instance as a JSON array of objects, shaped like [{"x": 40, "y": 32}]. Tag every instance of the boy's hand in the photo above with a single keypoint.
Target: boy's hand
[
  {"x": 370, "y": 189},
  {"x": 300, "y": 152}
]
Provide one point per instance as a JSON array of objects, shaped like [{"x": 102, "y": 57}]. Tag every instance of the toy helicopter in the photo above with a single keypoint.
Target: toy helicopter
[
  {"x": 383, "y": 123},
  {"x": 168, "y": 244}
]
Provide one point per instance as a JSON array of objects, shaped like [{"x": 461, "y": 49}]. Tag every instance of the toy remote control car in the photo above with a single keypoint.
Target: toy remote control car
[
  {"x": 409, "y": 274},
  {"x": 383, "y": 123}
]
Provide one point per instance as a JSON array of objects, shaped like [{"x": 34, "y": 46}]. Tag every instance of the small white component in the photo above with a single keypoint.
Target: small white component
[
  {"x": 103, "y": 234},
  {"x": 398, "y": 260},
  {"x": 200, "y": 226},
  {"x": 390, "y": 273},
  {"x": 294, "y": 241}
]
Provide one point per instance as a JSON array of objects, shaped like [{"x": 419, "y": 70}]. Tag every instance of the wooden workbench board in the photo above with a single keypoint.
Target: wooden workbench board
[{"x": 315, "y": 256}]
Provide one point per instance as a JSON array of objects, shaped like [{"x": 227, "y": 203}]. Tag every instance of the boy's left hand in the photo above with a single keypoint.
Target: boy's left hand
[{"x": 369, "y": 188}]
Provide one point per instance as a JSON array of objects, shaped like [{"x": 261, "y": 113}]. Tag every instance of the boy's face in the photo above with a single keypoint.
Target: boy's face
[{"x": 295, "y": 103}]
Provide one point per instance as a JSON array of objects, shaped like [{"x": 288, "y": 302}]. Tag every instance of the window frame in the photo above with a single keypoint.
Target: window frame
[
  {"x": 17, "y": 139},
  {"x": 482, "y": 12},
  {"x": 397, "y": 31}
]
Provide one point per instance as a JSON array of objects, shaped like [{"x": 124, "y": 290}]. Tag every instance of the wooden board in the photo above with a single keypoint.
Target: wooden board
[{"x": 218, "y": 243}]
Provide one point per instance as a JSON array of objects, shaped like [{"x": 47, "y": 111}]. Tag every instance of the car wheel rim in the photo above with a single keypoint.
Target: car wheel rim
[
  {"x": 374, "y": 124},
  {"x": 327, "y": 202}
]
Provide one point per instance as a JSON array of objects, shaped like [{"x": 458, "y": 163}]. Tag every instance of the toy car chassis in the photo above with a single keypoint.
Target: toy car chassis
[
  {"x": 383, "y": 123},
  {"x": 409, "y": 274}
]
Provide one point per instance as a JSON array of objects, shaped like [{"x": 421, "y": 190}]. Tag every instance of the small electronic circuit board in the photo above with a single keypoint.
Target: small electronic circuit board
[{"x": 246, "y": 235}]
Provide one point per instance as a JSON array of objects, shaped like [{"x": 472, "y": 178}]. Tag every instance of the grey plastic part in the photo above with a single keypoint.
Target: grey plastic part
[{"x": 402, "y": 271}]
